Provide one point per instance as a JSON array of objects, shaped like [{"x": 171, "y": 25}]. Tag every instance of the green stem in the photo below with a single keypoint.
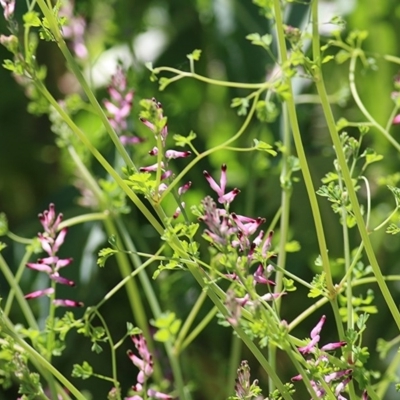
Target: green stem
[
  {"x": 291, "y": 107},
  {"x": 16, "y": 289},
  {"x": 360, "y": 104},
  {"x": 234, "y": 361},
  {"x": 38, "y": 360},
  {"x": 17, "y": 278},
  {"x": 72, "y": 64},
  {"x": 188, "y": 322},
  {"x": 350, "y": 188}
]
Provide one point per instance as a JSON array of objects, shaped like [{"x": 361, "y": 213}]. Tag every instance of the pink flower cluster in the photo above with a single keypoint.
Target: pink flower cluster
[
  {"x": 74, "y": 29},
  {"x": 226, "y": 230},
  {"x": 144, "y": 361},
  {"x": 119, "y": 106},
  {"x": 51, "y": 240},
  {"x": 322, "y": 359},
  {"x": 167, "y": 155}
]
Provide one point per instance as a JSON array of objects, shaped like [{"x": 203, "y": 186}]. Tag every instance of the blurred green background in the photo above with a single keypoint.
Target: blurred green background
[{"x": 35, "y": 172}]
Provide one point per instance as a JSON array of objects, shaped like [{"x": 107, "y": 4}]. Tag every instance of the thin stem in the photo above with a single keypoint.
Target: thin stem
[
  {"x": 291, "y": 107},
  {"x": 350, "y": 187}
]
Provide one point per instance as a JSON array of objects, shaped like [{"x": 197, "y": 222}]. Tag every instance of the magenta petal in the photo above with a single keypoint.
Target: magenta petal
[
  {"x": 317, "y": 329},
  {"x": 396, "y": 119},
  {"x": 63, "y": 281},
  {"x": 39, "y": 293},
  {"x": 40, "y": 267},
  {"x": 214, "y": 186},
  {"x": 184, "y": 188},
  {"x": 67, "y": 303},
  {"x": 310, "y": 346},
  {"x": 333, "y": 346},
  {"x": 60, "y": 239}
]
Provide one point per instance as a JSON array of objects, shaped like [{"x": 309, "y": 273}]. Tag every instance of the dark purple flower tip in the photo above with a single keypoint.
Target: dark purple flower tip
[
  {"x": 67, "y": 303},
  {"x": 223, "y": 167},
  {"x": 157, "y": 103}
]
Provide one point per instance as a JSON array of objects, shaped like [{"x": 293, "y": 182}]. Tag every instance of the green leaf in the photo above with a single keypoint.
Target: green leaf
[
  {"x": 326, "y": 59},
  {"x": 195, "y": 55},
  {"x": 83, "y": 371},
  {"x": 263, "y": 41},
  {"x": 293, "y": 246},
  {"x": 262, "y": 146},
  {"x": 342, "y": 56},
  {"x": 104, "y": 254},
  {"x": 242, "y": 104},
  {"x": 182, "y": 141},
  {"x": 392, "y": 229},
  {"x": 31, "y": 18}
]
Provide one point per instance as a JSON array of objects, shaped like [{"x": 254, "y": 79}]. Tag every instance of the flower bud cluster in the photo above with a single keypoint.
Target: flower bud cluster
[
  {"x": 160, "y": 129},
  {"x": 144, "y": 361},
  {"x": 51, "y": 241},
  {"x": 119, "y": 106},
  {"x": 337, "y": 379},
  {"x": 74, "y": 29},
  {"x": 227, "y": 232}
]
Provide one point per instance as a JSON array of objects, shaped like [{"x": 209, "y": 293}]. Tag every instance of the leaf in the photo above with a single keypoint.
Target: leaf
[
  {"x": 31, "y": 18},
  {"x": 293, "y": 246},
  {"x": 326, "y": 59},
  {"x": 263, "y": 41},
  {"x": 195, "y": 55},
  {"x": 83, "y": 371},
  {"x": 262, "y": 146},
  {"x": 242, "y": 103},
  {"x": 104, "y": 254},
  {"x": 182, "y": 141},
  {"x": 392, "y": 229}
]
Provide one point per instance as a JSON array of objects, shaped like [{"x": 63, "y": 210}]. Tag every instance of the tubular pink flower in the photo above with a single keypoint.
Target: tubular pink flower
[
  {"x": 40, "y": 267},
  {"x": 184, "y": 188},
  {"x": 228, "y": 197},
  {"x": 333, "y": 346},
  {"x": 153, "y": 151},
  {"x": 9, "y": 8},
  {"x": 178, "y": 210},
  {"x": 166, "y": 174},
  {"x": 67, "y": 303},
  {"x": 247, "y": 225},
  {"x": 130, "y": 139},
  {"x": 336, "y": 375},
  {"x": 39, "y": 293},
  {"x": 59, "y": 279},
  {"x": 396, "y": 119},
  {"x": 151, "y": 168},
  {"x": 310, "y": 346},
  {"x": 158, "y": 395},
  {"x": 317, "y": 329},
  {"x": 49, "y": 220},
  {"x": 260, "y": 278},
  {"x": 267, "y": 245},
  {"x": 340, "y": 387},
  {"x": 177, "y": 154},
  {"x": 59, "y": 240}
]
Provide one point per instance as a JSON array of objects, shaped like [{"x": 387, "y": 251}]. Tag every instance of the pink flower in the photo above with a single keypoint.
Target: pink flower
[
  {"x": 51, "y": 241},
  {"x": 9, "y": 7},
  {"x": 220, "y": 189},
  {"x": 396, "y": 119}
]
